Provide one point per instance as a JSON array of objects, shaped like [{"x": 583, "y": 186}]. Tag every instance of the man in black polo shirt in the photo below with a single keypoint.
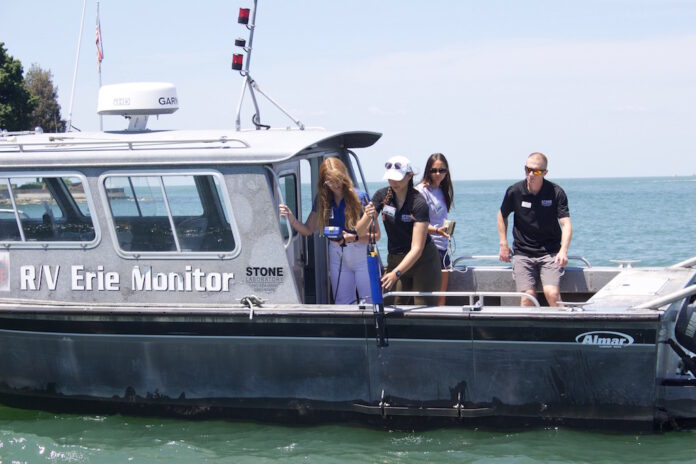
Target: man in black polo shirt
[{"x": 541, "y": 231}]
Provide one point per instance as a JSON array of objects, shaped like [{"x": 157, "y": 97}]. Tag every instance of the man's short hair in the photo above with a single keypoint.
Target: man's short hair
[{"x": 542, "y": 156}]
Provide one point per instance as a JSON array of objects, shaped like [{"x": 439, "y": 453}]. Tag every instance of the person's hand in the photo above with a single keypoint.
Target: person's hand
[
  {"x": 561, "y": 259},
  {"x": 370, "y": 210},
  {"x": 442, "y": 231},
  {"x": 388, "y": 280},
  {"x": 504, "y": 253},
  {"x": 349, "y": 237},
  {"x": 285, "y": 212}
]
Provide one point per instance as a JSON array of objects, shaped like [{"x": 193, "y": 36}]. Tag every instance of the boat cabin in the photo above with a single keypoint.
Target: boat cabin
[{"x": 160, "y": 217}]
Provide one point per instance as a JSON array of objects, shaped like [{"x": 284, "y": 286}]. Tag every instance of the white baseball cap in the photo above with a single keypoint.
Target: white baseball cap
[{"x": 397, "y": 168}]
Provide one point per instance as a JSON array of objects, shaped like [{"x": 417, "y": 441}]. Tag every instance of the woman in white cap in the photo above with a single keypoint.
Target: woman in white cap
[
  {"x": 413, "y": 263},
  {"x": 339, "y": 204}
]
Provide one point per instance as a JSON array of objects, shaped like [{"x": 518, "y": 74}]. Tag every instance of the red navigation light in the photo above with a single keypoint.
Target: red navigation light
[
  {"x": 243, "y": 16},
  {"x": 237, "y": 60}
]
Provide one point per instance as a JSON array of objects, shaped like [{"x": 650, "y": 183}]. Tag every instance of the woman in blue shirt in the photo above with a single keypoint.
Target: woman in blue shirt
[{"x": 339, "y": 204}]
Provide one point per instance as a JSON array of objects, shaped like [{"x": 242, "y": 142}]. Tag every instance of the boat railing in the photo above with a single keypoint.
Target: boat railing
[
  {"x": 68, "y": 142},
  {"x": 279, "y": 191},
  {"x": 625, "y": 263},
  {"x": 691, "y": 262},
  {"x": 657, "y": 303},
  {"x": 362, "y": 176},
  {"x": 476, "y": 299},
  {"x": 464, "y": 268}
]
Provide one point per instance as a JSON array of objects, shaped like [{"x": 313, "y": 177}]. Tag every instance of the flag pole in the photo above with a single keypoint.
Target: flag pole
[
  {"x": 77, "y": 61},
  {"x": 100, "y": 57}
]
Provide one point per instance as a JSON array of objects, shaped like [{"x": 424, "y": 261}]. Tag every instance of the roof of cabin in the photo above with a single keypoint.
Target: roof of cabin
[{"x": 172, "y": 147}]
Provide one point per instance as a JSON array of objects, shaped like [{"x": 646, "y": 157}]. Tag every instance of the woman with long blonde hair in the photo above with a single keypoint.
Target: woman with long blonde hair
[{"x": 339, "y": 204}]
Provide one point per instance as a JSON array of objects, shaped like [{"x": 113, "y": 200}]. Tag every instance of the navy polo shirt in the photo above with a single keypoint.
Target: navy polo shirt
[
  {"x": 536, "y": 231},
  {"x": 337, "y": 217},
  {"x": 399, "y": 225}
]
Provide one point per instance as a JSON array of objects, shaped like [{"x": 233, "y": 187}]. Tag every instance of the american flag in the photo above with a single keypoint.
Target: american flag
[{"x": 100, "y": 48}]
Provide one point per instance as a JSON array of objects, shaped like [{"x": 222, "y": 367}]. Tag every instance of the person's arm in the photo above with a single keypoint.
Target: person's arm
[
  {"x": 566, "y": 235},
  {"x": 442, "y": 230},
  {"x": 364, "y": 237},
  {"x": 305, "y": 228},
  {"x": 504, "y": 253},
  {"x": 420, "y": 231},
  {"x": 363, "y": 224}
]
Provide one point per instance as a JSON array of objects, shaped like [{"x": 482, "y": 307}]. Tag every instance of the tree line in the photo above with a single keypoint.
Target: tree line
[{"x": 30, "y": 101}]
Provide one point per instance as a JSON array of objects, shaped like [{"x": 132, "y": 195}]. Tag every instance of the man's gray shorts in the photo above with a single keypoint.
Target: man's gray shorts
[{"x": 527, "y": 270}]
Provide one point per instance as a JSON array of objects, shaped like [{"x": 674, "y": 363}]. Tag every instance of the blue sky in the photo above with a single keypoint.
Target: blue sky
[{"x": 604, "y": 88}]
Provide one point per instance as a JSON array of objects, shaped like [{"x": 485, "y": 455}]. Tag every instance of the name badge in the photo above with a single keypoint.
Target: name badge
[
  {"x": 526, "y": 204},
  {"x": 406, "y": 218},
  {"x": 389, "y": 210},
  {"x": 546, "y": 202}
]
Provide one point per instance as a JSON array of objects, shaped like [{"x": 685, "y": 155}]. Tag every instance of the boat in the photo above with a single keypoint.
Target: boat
[{"x": 154, "y": 275}]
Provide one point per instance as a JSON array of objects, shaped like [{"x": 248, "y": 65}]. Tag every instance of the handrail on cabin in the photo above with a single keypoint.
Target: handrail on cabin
[
  {"x": 276, "y": 186},
  {"x": 471, "y": 295},
  {"x": 686, "y": 263},
  {"x": 362, "y": 176},
  {"x": 495, "y": 257},
  {"x": 669, "y": 298},
  {"x": 130, "y": 144}
]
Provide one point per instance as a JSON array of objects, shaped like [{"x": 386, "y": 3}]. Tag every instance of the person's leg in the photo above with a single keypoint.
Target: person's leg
[
  {"x": 427, "y": 275},
  {"x": 356, "y": 257},
  {"x": 346, "y": 285},
  {"x": 444, "y": 264},
  {"x": 524, "y": 272},
  {"x": 403, "y": 283},
  {"x": 551, "y": 274},
  {"x": 552, "y": 294},
  {"x": 334, "y": 265}
]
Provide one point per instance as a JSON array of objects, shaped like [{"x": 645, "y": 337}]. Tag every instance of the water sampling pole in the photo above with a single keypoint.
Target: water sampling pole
[{"x": 374, "y": 271}]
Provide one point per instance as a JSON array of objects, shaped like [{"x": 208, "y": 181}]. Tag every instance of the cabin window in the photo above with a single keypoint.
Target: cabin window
[
  {"x": 174, "y": 213},
  {"x": 288, "y": 186},
  {"x": 36, "y": 209}
]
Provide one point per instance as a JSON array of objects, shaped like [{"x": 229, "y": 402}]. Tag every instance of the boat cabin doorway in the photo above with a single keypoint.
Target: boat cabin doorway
[{"x": 308, "y": 256}]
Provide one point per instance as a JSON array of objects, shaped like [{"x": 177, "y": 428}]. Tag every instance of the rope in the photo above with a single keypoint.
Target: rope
[{"x": 251, "y": 300}]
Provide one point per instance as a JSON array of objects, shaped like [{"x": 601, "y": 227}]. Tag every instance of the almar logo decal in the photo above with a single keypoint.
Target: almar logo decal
[{"x": 604, "y": 339}]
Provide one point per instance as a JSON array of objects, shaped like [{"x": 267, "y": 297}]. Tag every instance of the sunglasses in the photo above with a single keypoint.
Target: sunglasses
[
  {"x": 389, "y": 165},
  {"x": 438, "y": 170},
  {"x": 536, "y": 172}
]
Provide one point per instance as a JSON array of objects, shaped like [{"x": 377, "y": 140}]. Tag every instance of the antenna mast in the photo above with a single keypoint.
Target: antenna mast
[
  {"x": 243, "y": 68},
  {"x": 69, "y": 126}
]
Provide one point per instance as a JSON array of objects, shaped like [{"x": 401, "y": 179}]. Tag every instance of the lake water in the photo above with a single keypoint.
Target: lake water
[{"x": 652, "y": 219}]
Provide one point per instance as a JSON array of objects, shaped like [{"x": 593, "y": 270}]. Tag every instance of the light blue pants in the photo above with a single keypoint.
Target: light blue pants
[{"x": 353, "y": 271}]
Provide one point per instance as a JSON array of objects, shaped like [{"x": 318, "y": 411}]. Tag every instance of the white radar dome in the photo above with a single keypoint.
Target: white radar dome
[{"x": 137, "y": 98}]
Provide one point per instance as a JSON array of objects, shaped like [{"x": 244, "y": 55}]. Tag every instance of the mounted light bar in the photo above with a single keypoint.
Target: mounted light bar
[
  {"x": 247, "y": 16},
  {"x": 237, "y": 61},
  {"x": 243, "y": 16}
]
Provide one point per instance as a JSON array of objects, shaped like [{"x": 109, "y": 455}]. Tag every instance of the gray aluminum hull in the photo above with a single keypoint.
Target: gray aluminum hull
[{"x": 438, "y": 363}]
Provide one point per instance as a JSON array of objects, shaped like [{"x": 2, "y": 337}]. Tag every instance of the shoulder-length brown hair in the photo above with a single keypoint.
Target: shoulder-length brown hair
[
  {"x": 333, "y": 170},
  {"x": 446, "y": 184}
]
